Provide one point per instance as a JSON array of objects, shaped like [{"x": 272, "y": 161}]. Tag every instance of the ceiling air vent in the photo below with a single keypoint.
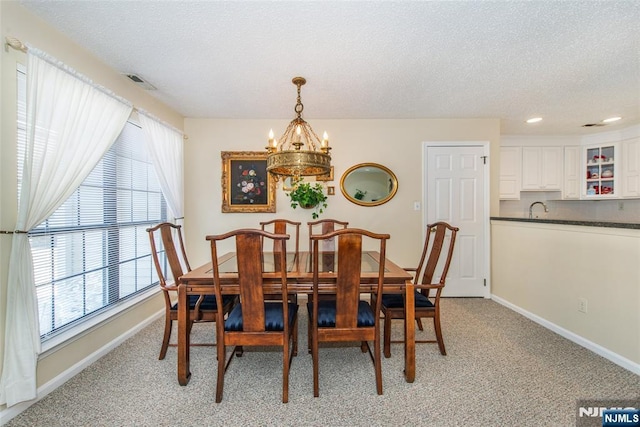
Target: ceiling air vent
[
  {"x": 140, "y": 82},
  {"x": 588, "y": 125}
]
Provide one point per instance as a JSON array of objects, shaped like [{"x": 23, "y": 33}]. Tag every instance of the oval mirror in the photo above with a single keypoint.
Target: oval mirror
[{"x": 368, "y": 184}]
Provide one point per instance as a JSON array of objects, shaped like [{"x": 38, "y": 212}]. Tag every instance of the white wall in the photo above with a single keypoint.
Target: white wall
[
  {"x": 543, "y": 270},
  {"x": 396, "y": 144}
]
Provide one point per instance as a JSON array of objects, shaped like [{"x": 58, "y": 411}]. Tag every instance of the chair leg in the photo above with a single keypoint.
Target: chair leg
[
  {"x": 387, "y": 335},
  {"x": 285, "y": 371},
  {"x": 314, "y": 354},
  {"x": 168, "y": 324},
  {"x": 377, "y": 363},
  {"x": 309, "y": 345},
  {"x": 222, "y": 358},
  {"x": 436, "y": 326},
  {"x": 419, "y": 320},
  {"x": 295, "y": 337}
]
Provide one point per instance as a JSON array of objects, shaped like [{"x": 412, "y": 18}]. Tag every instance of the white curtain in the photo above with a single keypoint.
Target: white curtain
[
  {"x": 70, "y": 125},
  {"x": 165, "y": 146}
]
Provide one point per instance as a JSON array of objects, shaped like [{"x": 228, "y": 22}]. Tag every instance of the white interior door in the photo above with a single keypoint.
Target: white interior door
[{"x": 456, "y": 191}]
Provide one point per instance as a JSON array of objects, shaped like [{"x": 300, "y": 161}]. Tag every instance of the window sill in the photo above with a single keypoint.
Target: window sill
[{"x": 77, "y": 332}]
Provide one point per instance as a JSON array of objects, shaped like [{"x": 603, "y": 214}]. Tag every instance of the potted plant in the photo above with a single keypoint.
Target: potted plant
[{"x": 308, "y": 196}]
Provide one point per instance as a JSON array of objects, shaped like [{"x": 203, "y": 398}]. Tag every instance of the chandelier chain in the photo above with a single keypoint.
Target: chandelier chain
[{"x": 299, "y": 107}]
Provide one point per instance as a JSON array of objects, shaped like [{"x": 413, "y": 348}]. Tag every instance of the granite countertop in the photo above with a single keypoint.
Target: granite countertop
[{"x": 631, "y": 225}]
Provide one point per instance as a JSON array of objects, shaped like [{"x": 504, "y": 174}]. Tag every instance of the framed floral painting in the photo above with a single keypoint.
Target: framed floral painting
[{"x": 246, "y": 184}]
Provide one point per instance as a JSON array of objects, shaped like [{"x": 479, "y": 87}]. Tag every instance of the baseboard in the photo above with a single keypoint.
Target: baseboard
[
  {"x": 589, "y": 345},
  {"x": 7, "y": 414}
]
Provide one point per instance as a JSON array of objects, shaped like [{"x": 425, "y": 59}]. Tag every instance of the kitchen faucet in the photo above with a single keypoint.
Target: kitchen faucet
[{"x": 531, "y": 208}]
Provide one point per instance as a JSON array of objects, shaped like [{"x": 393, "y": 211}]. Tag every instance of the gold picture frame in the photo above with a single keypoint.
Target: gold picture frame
[
  {"x": 326, "y": 176},
  {"x": 246, "y": 184}
]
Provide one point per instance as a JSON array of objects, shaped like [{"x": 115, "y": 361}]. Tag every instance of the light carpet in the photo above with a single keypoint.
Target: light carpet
[{"x": 500, "y": 369}]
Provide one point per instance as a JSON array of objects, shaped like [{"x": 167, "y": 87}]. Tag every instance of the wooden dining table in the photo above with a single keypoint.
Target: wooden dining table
[{"x": 300, "y": 281}]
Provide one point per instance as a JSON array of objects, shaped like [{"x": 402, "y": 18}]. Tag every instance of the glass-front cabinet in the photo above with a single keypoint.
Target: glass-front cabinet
[{"x": 600, "y": 172}]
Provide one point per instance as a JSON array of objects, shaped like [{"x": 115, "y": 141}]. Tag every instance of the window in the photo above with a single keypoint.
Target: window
[{"x": 93, "y": 252}]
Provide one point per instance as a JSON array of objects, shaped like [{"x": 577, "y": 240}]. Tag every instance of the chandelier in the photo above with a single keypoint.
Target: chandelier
[{"x": 299, "y": 152}]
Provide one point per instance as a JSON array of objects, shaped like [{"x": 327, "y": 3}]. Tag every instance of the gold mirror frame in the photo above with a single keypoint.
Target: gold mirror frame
[{"x": 370, "y": 189}]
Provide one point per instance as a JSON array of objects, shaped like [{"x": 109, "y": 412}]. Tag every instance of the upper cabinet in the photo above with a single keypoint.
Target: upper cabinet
[
  {"x": 510, "y": 172},
  {"x": 601, "y": 172},
  {"x": 542, "y": 168},
  {"x": 572, "y": 173},
  {"x": 630, "y": 174},
  {"x": 529, "y": 169}
]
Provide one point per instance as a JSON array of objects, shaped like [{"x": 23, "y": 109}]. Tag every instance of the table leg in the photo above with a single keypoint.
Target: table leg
[
  {"x": 184, "y": 374},
  {"x": 409, "y": 333}
]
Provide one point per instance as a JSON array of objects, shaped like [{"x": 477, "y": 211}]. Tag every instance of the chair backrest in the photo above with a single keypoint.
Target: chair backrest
[
  {"x": 249, "y": 255},
  {"x": 175, "y": 255},
  {"x": 325, "y": 226},
  {"x": 349, "y": 254},
  {"x": 283, "y": 226},
  {"x": 440, "y": 240}
]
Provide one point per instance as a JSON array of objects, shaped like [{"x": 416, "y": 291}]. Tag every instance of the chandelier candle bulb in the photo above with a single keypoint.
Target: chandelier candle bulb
[
  {"x": 298, "y": 131},
  {"x": 272, "y": 144},
  {"x": 325, "y": 140}
]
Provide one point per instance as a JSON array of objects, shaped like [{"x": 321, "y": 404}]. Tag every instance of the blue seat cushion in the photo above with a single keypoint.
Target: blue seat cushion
[
  {"x": 397, "y": 301},
  {"x": 327, "y": 313},
  {"x": 273, "y": 317},
  {"x": 209, "y": 302}
]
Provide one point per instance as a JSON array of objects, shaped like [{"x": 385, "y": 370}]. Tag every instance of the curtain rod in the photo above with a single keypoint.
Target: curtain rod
[{"x": 18, "y": 45}]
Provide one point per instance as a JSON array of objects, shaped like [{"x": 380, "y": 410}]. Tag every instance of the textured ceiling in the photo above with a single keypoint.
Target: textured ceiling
[{"x": 570, "y": 62}]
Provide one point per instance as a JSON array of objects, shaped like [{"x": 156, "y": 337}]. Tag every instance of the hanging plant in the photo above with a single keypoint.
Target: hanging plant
[{"x": 308, "y": 196}]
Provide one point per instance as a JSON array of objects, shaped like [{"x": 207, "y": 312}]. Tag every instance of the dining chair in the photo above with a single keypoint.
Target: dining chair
[
  {"x": 325, "y": 226},
  {"x": 255, "y": 321},
  {"x": 203, "y": 308},
  {"x": 283, "y": 226},
  {"x": 436, "y": 257},
  {"x": 347, "y": 318}
]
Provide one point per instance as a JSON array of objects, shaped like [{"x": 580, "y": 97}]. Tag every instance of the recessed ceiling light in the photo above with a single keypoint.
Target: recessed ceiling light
[
  {"x": 611, "y": 119},
  {"x": 534, "y": 120}
]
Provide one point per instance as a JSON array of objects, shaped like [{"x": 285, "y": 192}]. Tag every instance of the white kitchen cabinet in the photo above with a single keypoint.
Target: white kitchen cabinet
[
  {"x": 601, "y": 172},
  {"x": 630, "y": 173},
  {"x": 572, "y": 173},
  {"x": 510, "y": 172},
  {"x": 542, "y": 168}
]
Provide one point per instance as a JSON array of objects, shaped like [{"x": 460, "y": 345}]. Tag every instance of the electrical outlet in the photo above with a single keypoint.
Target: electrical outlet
[
  {"x": 416, "y": 206},
  {"x": 582, "y": 305}
]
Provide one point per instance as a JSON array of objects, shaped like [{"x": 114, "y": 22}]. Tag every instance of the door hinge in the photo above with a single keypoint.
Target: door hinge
[{"x": 484, "y": 159}]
